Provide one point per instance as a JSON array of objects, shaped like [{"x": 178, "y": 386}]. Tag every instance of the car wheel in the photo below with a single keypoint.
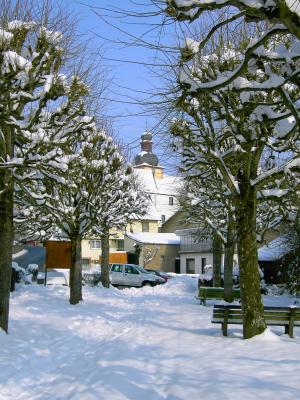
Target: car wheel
[{"x": 147, "y": 283}]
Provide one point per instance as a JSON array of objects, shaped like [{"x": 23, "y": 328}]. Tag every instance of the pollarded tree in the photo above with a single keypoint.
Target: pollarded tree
[
  {"x": 66, "y": 206},
  {"x": 228, "y": 128},
  {"x": 120, "y": 200},
  {"x": 91, "y": 183},
  {"x": 30, "y": 62},
  {"x": 208, "y": 203}
]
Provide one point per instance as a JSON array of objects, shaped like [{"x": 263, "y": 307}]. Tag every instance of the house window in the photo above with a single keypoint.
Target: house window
[
  {"x": 120, "y": 244},
  {"x": 145, "y": 226},
  {"x": 163, "y": 219},
  {"x": 171, "y": 201},
  {"x": 203, "y": 263},
  {"x": 95, "y": 244},
  {"x": 190, "y": 265}
]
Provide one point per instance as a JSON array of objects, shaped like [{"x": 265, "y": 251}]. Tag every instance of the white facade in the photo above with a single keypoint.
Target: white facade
[
  {"x": 195, "y": 256},
  {"x": 164, "y": 193}
]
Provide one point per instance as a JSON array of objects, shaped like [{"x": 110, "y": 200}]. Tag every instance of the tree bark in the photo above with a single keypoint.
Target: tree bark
[
  {"x": 228, "y": 268},
  {"x": 75, "y": 270},
  {"x": 228, "y": 263},
  {"x": 105, "y": 259},
  {"x": 217, "y": 259},
  {"x": 6, "y": 225},
  {"x": 6, "y": 241},
  {"x": 253, "y": 312}
]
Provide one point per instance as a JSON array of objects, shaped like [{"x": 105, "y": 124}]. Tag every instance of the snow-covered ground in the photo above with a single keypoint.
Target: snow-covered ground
[{"x": 149, "y": 344}]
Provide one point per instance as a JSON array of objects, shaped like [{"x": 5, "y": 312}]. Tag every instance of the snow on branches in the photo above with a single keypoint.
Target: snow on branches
[
  {"x": 29, "y": 77},
  {"x": 96, "y": 190},
  {"x": 275, "y": 11}
]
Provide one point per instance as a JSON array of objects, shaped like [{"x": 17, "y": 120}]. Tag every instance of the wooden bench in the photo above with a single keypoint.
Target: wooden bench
[
  {"x": 215, "y": 293},
  {"x": 279, "y": 316}
]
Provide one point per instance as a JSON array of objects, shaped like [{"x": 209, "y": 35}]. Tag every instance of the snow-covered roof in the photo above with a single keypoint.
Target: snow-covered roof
[
  {"x": 275, "y": 250},
  {"x": 55, "y": 238},
  {"x": 169, "y": 185},
  {"x": 154, "y": 238}
]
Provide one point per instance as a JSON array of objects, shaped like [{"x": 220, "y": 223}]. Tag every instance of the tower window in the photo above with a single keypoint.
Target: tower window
[
  {"x": 163, "y": 219},
  {"x": 171, "y": 201}
]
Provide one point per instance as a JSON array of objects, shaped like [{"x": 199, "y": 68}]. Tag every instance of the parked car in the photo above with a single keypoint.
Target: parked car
[
  {"x": 207, "y": 279},
  {"x": 157, "y": 272},
  {"x": 133, "y": 275}
]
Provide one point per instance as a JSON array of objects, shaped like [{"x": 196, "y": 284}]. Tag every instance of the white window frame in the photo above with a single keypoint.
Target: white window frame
[{"x": 93, "y": 245}]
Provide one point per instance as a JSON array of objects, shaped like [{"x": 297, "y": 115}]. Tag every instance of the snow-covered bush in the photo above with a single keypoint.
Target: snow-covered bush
[
  {"x": 22, "y": 275},
  {"x": 33, "y": 270}
]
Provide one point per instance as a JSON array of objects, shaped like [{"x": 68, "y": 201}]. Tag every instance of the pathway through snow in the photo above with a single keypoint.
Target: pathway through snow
[{"x": 150, "y": 344}]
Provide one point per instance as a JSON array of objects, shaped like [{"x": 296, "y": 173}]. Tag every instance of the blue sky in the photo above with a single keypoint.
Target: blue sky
[{"x": 134, "y": 77}]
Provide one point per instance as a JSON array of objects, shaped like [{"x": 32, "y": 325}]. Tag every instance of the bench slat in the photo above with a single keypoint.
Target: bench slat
[
  {"x": 215, "y": 293},
  {"x": 277, "y": 316}
]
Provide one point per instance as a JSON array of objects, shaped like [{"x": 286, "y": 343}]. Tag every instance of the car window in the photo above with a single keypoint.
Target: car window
[
  {"x": 116, "y": 268},
  {"x": 130, "y": 270},
  {"x": 141, "y": 269},
  {"x": 151, "y": 272}
]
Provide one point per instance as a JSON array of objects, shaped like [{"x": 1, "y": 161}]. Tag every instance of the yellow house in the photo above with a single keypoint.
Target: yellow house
[
  {"x": 91, "y": 248},
  {"x": 154, "y": 250}
]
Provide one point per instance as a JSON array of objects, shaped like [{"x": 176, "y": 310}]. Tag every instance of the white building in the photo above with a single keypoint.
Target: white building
[
  {"x": 196, "y": 255},
  {"x": 163, "y": 189}
]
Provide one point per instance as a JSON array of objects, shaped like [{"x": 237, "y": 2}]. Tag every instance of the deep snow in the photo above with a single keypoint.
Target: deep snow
[{"x": 149, "y": 343}]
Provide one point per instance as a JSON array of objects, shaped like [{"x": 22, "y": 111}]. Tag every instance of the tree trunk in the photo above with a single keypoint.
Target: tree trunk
[
  {"x": 217, "y": 259},
  {"x": 105, "y": 259},
  {"x": 75, "y": 270},
  {"x": 253, "y": 312},
  {"x": 6, "y": 241},
  {"x": 228, "y": 268},
  {"x": 228, "y": 263},
  {"x": 6, "y": 226}
]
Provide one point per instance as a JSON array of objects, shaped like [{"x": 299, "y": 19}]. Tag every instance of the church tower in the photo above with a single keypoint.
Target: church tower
[{"x": 146, "y": 159}]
